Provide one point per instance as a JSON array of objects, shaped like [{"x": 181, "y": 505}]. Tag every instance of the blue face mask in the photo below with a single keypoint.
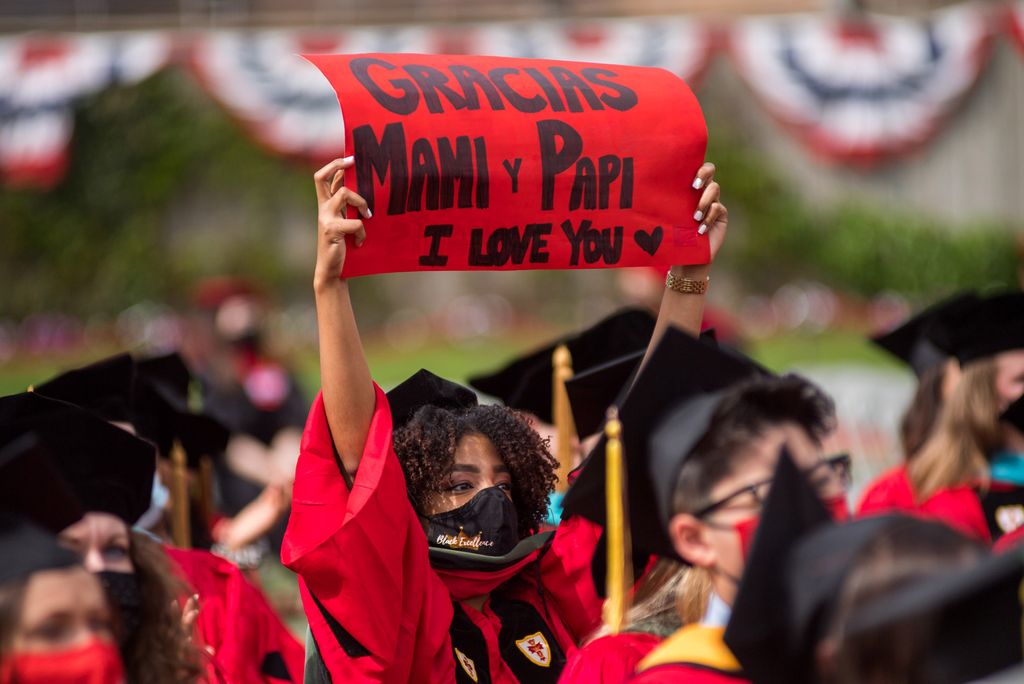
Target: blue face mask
[{"x": 487, "y": 524}]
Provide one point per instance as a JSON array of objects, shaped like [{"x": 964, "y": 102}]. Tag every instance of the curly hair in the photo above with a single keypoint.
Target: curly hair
[
  {"x": 161, "y": 651},
  {"x": 425, "y": 446}
]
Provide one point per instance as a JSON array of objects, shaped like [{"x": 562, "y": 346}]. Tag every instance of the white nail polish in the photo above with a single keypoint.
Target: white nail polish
[
  {"x": 698, "y": 215},
  {"x": 703, "y": 229},
  {"x": 348, "y": 160},
  {"x": 369, "y": 214},
  {"x": 697, "y": 183}
]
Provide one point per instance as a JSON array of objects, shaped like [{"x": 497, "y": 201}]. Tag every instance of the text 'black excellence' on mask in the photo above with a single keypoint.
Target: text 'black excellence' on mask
[{"x": 486, "y": 524}]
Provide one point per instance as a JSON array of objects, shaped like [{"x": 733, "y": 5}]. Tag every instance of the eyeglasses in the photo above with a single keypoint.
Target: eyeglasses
[{"x": 831, "y": 477}]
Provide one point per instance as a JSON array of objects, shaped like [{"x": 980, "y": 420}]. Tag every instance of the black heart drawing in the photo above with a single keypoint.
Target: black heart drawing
[{"x": 649, "y": 242}]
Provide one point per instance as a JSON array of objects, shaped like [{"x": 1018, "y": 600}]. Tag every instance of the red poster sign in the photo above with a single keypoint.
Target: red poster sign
[{"x": 474, "y": 163}]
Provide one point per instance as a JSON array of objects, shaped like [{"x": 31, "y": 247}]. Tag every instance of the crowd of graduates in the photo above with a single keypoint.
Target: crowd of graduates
[{"x": 641, "y": 504}]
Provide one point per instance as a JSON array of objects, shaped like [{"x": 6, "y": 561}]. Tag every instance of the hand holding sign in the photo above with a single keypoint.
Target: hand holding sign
[
  {"x": 493, "y": 163},
  {"x": 332, "y": 223}
]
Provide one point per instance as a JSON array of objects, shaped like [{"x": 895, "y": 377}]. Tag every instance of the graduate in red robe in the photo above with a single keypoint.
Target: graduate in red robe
[
  {"x": 242, "y": 637},
  {"x": 915, "y": 343},
  {"x": 482, "y": 597},
  {"x": 101, "y": 480},
  {"x": 970, "y": 472}
]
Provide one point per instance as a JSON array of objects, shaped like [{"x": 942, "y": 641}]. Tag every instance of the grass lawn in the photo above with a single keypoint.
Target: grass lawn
[{"x": 459, "y": 361}]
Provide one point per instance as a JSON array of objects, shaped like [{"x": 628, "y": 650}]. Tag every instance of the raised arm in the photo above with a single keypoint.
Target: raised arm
[
  {"x": 685, "y": 311},
  {"x": 345, "y": 381}
]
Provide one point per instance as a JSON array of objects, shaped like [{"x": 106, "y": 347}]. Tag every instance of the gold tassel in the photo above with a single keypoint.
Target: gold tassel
[
  {"x": 181, "y": 533},
  {"x": 561, "y": 413},
  {"x": 206, "y": 490},
  {"x": 619, "y": 580}
]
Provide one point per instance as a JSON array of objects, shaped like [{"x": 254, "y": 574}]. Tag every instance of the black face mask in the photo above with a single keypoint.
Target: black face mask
[
  {"x": 122, "y": 590},
  {"x": 487, "y": 524}
]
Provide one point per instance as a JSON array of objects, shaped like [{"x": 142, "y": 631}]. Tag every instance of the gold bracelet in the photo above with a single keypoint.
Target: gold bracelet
[{"x": 686, "y": 285}]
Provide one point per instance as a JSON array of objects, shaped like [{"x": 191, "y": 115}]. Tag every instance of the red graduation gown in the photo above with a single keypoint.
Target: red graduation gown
[
  {"x": 611, "y": 659},
  {"x": 959, "y": 507},
  {"x": 243, "y": 636},
  {"x": 377, "y": 609},
  {"x": 695, "y": 654}
]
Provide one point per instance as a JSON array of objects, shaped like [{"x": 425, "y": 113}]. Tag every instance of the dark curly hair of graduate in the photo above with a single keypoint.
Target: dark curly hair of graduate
[{"x": 425, "y": 446}]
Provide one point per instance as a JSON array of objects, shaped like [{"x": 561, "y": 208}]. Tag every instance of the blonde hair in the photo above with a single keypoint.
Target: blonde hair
[
  {"x": 966, "y": 433},
  {"x": 669, "y": 596}
]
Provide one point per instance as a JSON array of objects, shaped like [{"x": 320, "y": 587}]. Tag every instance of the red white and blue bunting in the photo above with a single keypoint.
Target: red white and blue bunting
[
  {"x": 862, "y": 91},
  {"x": 41, "y": 79},
  {"x": 854, "y": 92},
  {"x": 680, "y": 45},
  {"x": 282, "y": 100}
]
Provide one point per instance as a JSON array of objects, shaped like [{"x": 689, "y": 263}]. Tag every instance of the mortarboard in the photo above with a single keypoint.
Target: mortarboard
[
  {"x": 913, "y": 341},
  {"x": 168, "y": 371},
  {"x": 162, "y": 413},
  {"x": 27, "y": 548},
  {"x": 1014, "y": 415},
  {"x": 423, "y": 388},
  {"x": 592, "y": 391},
  {"x": 104, "y": 387},
  {"x": 756, "y": 633},
  {"x": 525, "y": 382},
  {"x": 25, "y": 467},
  {"x": 109, "y": 469},
  {"x": 974, "y": 614},
  {"x": 992, "y": 325},
  {"x": 679, "y": 367},
  {"x": 595, "y": 389}
]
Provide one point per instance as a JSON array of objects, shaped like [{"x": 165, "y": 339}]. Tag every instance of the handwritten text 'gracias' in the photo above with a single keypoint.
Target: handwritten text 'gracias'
[{"x": 452, "y": 171}]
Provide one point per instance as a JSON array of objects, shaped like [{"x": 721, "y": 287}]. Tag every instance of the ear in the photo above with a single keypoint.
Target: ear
[{"x": 688, "y": 539}]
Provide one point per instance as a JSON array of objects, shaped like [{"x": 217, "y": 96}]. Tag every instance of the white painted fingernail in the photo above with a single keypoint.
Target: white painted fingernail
[
  {"x": 348, "y": 160},
  {"x": 369, "y": 214},
  {"x": 698, "y": 215},
  {"x": 703, "y": 229},
  {"x": 698, "y": 183}
]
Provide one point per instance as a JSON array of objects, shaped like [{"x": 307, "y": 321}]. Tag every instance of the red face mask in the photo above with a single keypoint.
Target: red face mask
[
  {"x": 97, "y": 662},
  {"x": 746, "y": 529},
  {"x": 837, "y": 507}
]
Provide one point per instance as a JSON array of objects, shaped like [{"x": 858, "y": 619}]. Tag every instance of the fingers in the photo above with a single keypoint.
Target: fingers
[
  {"x": 335, "y": 230},
  {"x": 704, "y": 175},
  {"x": 325, "y": 177},
  {"x": 345, "y": 197},
  {"x": 191, "y": 612},
  {"x": 707, "y": 201},
  {"x": 716, "y": 213}
]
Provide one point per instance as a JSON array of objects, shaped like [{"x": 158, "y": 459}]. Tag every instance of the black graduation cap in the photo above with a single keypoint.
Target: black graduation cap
[
  {"x": 423, "y": 388},
  {"x": 168, "y": 371},
  {"x": 756, "y": 633},
  {"x": 104, "y": 387},
  {"x": 525, "y": 382},
  {"x": 594, "y": 390},
  {"x": 24, "y": 468},
  {"x": 108, "y": 468},
  {"x": 913, "y": 341},
  {"x": 975, "y": 614},
  {"x": 1014, "y": 415},
  {"x": 162, "y": 412},
  {"x": 993, "y": 324},
  {"x": 679, "y": 367},
  {"x": 27, "y": 548}
]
